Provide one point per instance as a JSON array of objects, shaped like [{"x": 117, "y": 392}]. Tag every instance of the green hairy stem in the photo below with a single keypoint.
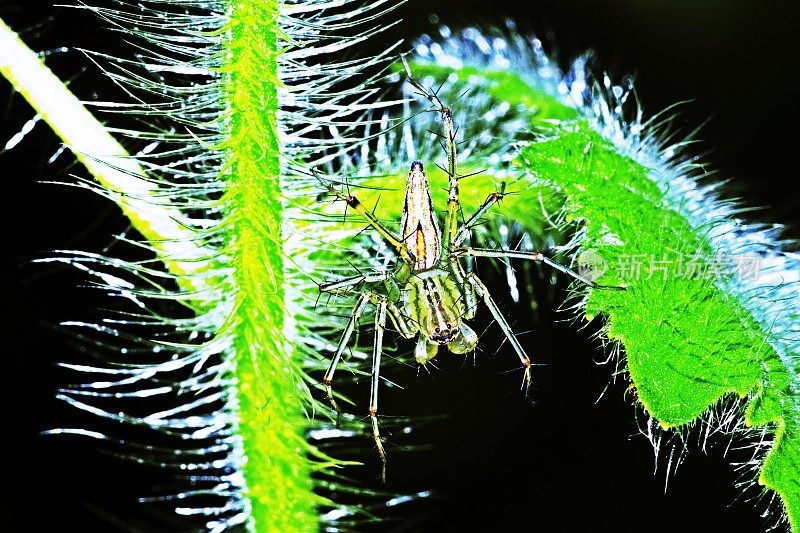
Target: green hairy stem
[
  {"x": 271, "y": 421},
  {"x": 271, "y": 401}
]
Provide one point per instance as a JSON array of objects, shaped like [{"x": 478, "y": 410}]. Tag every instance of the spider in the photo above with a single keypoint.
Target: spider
[{"x": 431, "y": 294}]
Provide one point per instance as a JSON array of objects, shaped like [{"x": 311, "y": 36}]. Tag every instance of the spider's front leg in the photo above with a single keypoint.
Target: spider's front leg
[
  {"x": 404, "y": 326},
  {"x": 348, "y": 332},
  {"x": 402, "y": 323},
  {"x": 377, "y": 349},
  {"x": 483, "y": 292}
]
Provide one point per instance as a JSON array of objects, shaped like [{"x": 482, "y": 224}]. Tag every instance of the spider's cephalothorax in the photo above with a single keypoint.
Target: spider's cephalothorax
[{"x": 430, "y": 294}]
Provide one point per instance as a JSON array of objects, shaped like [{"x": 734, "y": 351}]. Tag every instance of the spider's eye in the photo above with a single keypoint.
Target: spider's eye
[
  {"x": 437, "y": 330},
  {"x": 448, "y": 326}
]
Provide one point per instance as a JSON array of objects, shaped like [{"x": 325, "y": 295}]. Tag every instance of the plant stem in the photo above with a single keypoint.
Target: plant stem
[
  {"x": 271, "y": 423},
  {"x": 110, "y": 164}
]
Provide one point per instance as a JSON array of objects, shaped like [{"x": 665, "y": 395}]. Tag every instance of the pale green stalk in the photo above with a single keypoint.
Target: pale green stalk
[{"x": 101, "y": 154}]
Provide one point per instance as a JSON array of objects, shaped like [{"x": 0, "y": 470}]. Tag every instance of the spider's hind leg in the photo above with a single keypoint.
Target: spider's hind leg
[
  {"x": 353, "y": 203},
  {"x": 492, "y": 199},
  {"x": 453, "y": 205}
]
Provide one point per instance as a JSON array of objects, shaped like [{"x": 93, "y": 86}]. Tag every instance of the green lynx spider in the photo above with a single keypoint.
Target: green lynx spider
[{"x": 430, "y": 294}]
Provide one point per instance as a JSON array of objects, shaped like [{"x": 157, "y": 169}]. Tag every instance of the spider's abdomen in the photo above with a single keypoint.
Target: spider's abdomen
[{"x": 420, "y": 230}]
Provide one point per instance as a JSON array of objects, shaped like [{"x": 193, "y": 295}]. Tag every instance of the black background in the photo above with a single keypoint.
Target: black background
[{"x": 563, "y": 464}]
